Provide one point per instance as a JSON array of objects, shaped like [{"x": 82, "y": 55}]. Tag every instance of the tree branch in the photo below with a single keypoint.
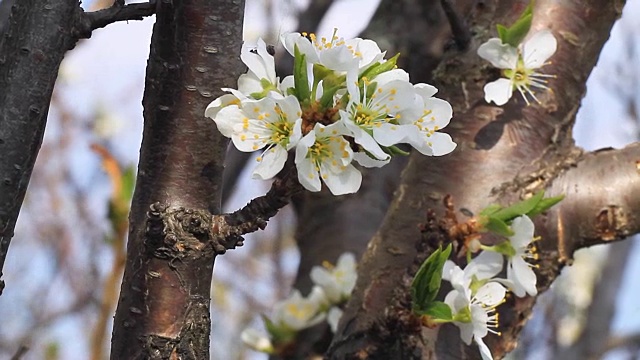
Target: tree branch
[
  {"x": 495, "y": 146},
  {"x": 36, "y": 38},
  {"x": 600, "y": 204},
  {"x": 163, "y": 310},
  {"x": 118, "y": 12}
]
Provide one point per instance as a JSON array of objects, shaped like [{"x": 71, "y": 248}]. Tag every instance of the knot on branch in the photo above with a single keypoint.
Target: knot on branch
[{"x": 177, "y": 232}]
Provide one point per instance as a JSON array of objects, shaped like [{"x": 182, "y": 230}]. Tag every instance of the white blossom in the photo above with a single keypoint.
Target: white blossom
[
  {"x": 336, "y": 281},
  {"x": 274, "y": 124},
  {"x": 334, "y": 53},
  {"x": 324, "y": 153},
  {"x": 424, "y": 119},
  {"x": 474, "y": 311},
  {"x": 297, "y": 312},
  {"x": 519, "y": 66}
]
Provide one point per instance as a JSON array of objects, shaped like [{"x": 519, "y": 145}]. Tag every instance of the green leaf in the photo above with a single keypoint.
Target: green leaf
[
  {"x": 498, "y": 226},
  {"x": 379, "y": 68},
  {"x": 426, "y": 283},
  {"x": 520, "y": 28},
  {"x": 438, "y": 310},
  {"x": 520, "y": 208},
  {"x": 518, "y": 31},
  {"x": 544, "y": 205},
  {"x": 489, "y": 210},
  {"x": 300, "y": 76}
]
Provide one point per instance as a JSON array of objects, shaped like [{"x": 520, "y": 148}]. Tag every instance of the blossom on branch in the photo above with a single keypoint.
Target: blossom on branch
[{"x": 519, "y": 66}]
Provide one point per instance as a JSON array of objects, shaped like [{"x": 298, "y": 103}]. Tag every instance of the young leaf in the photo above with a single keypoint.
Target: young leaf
[
  {"x": 300, "y": 76},
  {"x": 520, "y": 28},
  {"x": 544, "y": 205},
  {"x": 426, "y": 283},
  {"x": 518, "y": 209},
  {"x": 498, "y": 226},
  {"x": 438, "y": 310},
  {"x": 378, "y": 68}
]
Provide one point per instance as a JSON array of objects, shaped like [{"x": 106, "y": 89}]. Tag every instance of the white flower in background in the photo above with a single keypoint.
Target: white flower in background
[
  {"x": 333, "y": 318},
  {"x": 297, "y": 312},
  {"x": 336, "y": 281},
  {"x": 370, "y": 113},
  {"x": 519, "y": 271},
  {"x": 257, "y": 341},
  {"x": 519, "y": 66},
  {"x": 475, "y": 313},
  {"x": 424, "y": 118},
  {"x": 268, "y": 122},
  {"x": 335, "y": 53},
  {"x": 324, "y": 153}
]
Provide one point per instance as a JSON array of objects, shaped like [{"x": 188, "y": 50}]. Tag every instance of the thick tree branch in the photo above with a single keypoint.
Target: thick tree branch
[
  {"x": 163, "y": 311},
  {"x": 495, "y": 146},
  {"x": 601, "y": 202}
]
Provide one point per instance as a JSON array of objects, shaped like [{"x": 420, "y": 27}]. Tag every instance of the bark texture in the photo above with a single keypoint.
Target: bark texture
[
  {"x": 503, "y": 153},
  {"x": 163, "y": 311}
]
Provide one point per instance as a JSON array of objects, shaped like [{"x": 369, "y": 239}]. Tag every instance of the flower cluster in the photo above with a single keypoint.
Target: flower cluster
[
  {"x": 519, "y": 66},
  {"x": 333, "y": 286},
  {"x": 343, "y": 103},
  {"x": 476, "y": 290}
]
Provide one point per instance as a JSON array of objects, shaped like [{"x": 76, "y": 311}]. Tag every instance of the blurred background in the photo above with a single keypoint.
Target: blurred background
[{"x": 65, "y": 263}]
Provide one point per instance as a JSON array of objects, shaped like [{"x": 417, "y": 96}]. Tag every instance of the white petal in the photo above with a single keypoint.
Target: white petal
[
  {"x": 516, "y": 287},
  {"x": 308, "y": 175},
  {"x": 249, "y": 84},
  {"x": 290, "y": 40},
  {"x": 272, "y": 162},
  {"x": 425, "y": 90},
  {"x": 500, "y": 55},
  {"x": 216, "y": 105},
  {"x": 524, "y": 276},
  {"x": 485, "y": 352},
  {"x": 268, "y": 60},
  {"x": 391, "y": 75},
  {"x": 346, "y": 182},
  {"x": 338, "y": 58},
  {"x": 456, "y": 300},
  {"x": 486, "y": 265},
  {"x": 227, "y": 117},
  {"x": 389, "y": 134},
  {"x": 365, "y": 160},
  {"x": 523, "y": 228},
  {"x": 256, "y": 340},
  {"x": 333, "y": 318},
  {"x": 446, "y": 269},
  {"x": 539, "y": 48},
  {"x": 441, "y": 113},
  {"x": 491, "y": 293},
  {"x": 498, "y": 91},
  {"x": 363, "y": 138}
]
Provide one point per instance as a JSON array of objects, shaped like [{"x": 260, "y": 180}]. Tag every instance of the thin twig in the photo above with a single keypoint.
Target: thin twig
[
  {"x": 459, "y": 29},
  {"x": 119, "y": 12}
]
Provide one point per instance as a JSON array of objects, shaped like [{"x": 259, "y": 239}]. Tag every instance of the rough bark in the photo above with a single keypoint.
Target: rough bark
[
  {"x": 503, "y": 153},
  {"x": 34, "y": 39},
  {"x": 163, "y": 311}
]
